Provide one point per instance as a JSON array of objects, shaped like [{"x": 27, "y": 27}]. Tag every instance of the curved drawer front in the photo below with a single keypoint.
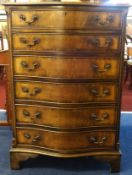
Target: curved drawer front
[
  {"x": 66, "y": 19},
  {"x": 66, "y": 118},
  {"x": 65, "y": 42},
  {"x": 66, "y": 93},
  {"x": 66, "y": 140},
  {"x": 60, "y": 67}
]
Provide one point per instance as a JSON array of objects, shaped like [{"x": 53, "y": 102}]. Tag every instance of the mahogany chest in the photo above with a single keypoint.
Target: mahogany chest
[{"x": 66, "y": 63}]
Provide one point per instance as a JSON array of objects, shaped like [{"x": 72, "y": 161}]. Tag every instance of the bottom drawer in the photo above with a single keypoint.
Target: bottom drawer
[{"x": 66, "y": 140}]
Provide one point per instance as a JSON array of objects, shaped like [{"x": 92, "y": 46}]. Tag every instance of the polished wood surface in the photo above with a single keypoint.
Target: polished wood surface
[
  {"x": 54, "y": 67},
  {"x": 66, "y": 118},
  {"x": 66, "y": 140},
  {"x": 63, "y": 42},
  {"x": 66, "y": 93},
  {"x": 66, "y": 76},
  {"x": 66, "y": 19}
]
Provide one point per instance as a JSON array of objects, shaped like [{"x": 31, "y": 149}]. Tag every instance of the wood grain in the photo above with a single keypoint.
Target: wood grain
[
  {"x": 60, "y": 67},
  {"x": 65, "y": 140},
  {"x": 66, "y": 19},
  {"x": 66, "y": 93},
  {"x": 65, "y": 42},
  {"x": 66, "y": 118}
]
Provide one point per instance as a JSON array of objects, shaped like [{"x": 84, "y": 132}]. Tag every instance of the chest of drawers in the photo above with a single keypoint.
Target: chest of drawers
[{"x": 66, "y": 72}]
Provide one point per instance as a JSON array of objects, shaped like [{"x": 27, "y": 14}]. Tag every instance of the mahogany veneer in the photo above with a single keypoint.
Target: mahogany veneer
[{"x": 66, "y": 73}]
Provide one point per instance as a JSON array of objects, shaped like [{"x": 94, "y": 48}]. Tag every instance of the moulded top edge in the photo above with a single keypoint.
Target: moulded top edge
[{"x": 72, "y": 2}]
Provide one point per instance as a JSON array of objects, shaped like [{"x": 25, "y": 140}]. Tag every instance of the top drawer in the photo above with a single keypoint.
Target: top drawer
[{"x": 67, "y": 19}]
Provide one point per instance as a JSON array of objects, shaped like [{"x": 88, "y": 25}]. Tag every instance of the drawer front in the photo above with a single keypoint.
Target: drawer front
[
  {"x": 60, "y": 67},
  {"x": 64, "y": 42},
  {"x": 66, "y": 140},
  {"x": 66, "y": 118},
  {"x": 66, "y": 93},
  {"x": 67, "y": 19}
]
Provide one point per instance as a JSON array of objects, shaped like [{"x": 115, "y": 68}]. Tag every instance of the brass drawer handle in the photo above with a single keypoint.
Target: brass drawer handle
[
  {"x": 34, "y": 92},
  {"x": 96, "y": 42},
  {"x": 35, "y": 65},
  {"x": 96, "y": 20},
  {"x": 36, "y": 138},
  {"x": 32, "y": 43},
  {"x": 96, "y": 93},
  {"x": 27, "y": 135},
  {"x": 97, "y": 69},
  {"x": 106, "y": 92},
  {"x": 37, "y": 115},
  {"x": 97, "y": 141},
  {"x": 25, "y": 89},
  {"x": 94, "y": 117},
  {"x": 34, "y": 18},
  {"x": 26, "y": 113}
]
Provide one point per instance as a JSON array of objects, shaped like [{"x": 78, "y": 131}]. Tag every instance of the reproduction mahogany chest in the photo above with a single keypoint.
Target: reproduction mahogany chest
[{"x": 66, "y": 73}]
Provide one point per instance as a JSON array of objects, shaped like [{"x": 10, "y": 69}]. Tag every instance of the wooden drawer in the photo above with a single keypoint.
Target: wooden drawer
[
  {"x": 67, "y": 19},
  {"x": 66, "y": 118},
  {"x": 66, "y": 140},
  {"x": 60, "y": 67},
  {"x": 65, "y": 42},
  {"x": 66, "y": 92}
]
